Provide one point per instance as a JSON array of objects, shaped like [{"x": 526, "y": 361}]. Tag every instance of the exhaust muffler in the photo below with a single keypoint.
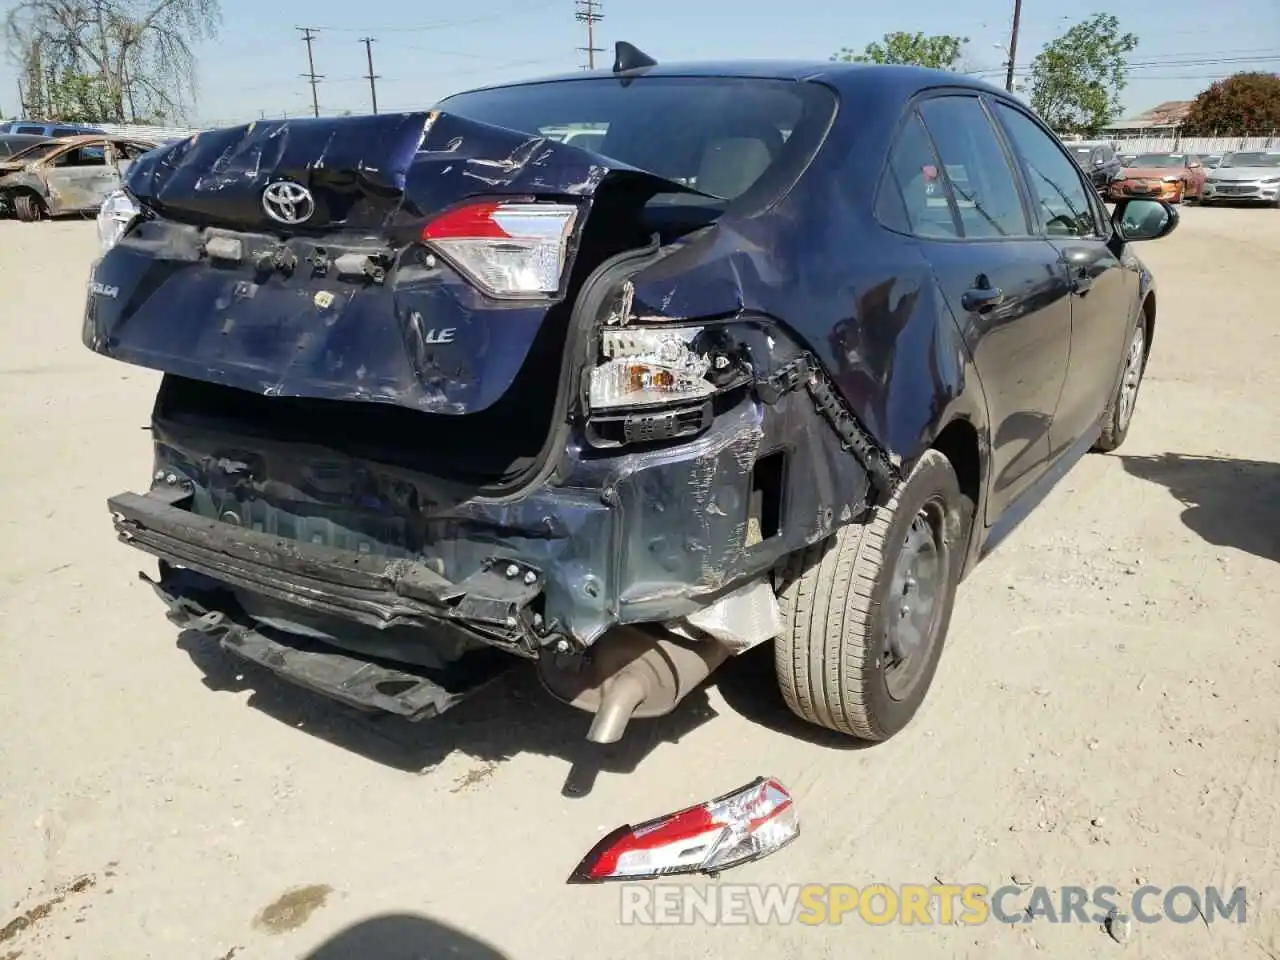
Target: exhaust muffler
[{"x": 631, "y": 672}]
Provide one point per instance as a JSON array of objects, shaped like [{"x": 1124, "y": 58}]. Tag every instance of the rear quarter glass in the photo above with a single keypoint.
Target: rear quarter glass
[{"x": 742, "y": 139}]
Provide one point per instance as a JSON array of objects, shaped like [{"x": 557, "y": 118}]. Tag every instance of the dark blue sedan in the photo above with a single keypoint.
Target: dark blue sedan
[{"x": 774, "y": 355}]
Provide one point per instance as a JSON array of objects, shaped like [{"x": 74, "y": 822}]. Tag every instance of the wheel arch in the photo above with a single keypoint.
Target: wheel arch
[{"x": 961, "y": 443}]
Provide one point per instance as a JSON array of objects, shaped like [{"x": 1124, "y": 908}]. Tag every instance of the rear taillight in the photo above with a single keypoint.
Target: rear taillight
[
  {"x": 747, "y": 824},
  {"x": 506, "y": 249},
  {"x": 116, "y": 215}
]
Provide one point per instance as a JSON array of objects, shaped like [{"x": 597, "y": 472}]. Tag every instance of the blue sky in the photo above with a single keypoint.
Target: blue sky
[{"x": 424, "y": 51}]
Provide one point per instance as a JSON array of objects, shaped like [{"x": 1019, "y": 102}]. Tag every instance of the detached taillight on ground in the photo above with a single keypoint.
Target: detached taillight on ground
[
  {"x": 750, "y": 823},
  {"x": 507, "y": 249}
]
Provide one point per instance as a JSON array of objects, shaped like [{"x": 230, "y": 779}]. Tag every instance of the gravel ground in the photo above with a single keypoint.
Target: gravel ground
[{"x": 1105, "y": 712}]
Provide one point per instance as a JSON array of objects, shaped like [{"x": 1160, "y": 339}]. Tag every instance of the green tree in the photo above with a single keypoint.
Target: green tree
[
  {"x": 940, "y": 51},
  {"x": 1242, "y": 105},
  {"x": 79, "y": 98},
  {"x": 1077, "y": 78},
  {"x": 143, "y": 51}
]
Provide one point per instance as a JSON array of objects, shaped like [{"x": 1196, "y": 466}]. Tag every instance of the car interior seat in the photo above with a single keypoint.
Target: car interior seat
[{"x": 734, "y": 160}]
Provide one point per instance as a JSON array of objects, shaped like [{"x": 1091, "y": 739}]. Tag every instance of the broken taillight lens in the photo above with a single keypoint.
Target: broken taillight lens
[
  {"x": 745, "y": 825},
  {"x": 659, "y": 365},
  {"x": 506, "y": 249}
]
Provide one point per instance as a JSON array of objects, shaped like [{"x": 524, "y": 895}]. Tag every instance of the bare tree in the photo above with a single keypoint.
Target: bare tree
[{"x": 138, "y": 51}]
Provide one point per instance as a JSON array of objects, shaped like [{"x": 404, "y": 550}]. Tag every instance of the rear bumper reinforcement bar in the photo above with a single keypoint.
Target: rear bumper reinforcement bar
[{"x": 494, "y": 604}]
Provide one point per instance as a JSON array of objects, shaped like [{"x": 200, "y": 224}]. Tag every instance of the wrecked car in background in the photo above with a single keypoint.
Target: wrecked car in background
[
  {"x": 67, "y": 175},
  {"x": 441, "y": 392}
]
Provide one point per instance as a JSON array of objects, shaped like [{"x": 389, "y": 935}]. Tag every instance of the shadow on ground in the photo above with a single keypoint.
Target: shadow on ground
[
  {"x": 403, "y": 936},
  {"x": 1229, "y": 503},
  {"x": 510, "y": 716}
]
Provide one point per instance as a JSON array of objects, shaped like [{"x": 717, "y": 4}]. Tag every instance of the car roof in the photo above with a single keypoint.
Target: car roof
[{"x": 893, "y": 79}]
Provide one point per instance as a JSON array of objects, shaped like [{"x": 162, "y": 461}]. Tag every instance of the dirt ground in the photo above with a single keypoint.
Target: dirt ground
[{"x": 1111, "y": 662}]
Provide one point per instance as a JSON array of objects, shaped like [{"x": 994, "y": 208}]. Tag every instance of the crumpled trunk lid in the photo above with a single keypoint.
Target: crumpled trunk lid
[{"x": 419, "y": 335}]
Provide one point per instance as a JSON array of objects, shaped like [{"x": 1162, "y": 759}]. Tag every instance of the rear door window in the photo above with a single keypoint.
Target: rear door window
[
  {"x": 39, "y": 131},
  {"x": 913, "y": 197},
  {"x": 982, "y": 181}
]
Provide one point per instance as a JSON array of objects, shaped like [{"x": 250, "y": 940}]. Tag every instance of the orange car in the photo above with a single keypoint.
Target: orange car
[{"x": 1168, "y": 176}]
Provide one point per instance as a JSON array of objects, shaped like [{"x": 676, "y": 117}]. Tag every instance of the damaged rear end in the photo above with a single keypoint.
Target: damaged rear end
[{"x": 427, "y": 404}]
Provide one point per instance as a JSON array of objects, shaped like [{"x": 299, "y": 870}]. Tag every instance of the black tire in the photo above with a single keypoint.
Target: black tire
[
  {"x": 833, "y": 659},
  {"x": 1118, "y": 415},
  {"x": 28, "y": 207}
]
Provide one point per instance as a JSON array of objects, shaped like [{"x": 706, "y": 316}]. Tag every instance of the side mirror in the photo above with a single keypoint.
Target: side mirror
[
  {"x": 1193, "y": 164},
  {"x": 1139, "y": 219}
]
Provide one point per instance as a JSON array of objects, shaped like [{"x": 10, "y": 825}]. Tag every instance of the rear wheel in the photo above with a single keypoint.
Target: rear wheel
[
  {"x": 28, "y": 207},
  {"x": 1119, "y": 412},
  {"x": 866, "y": 611}
]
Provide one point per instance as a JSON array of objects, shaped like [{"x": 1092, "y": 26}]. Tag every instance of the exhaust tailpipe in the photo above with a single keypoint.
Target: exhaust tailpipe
[{"x": 631, "y": 672}]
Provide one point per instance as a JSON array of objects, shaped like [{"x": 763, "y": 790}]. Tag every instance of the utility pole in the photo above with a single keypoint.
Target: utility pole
[
  {"x": 1013, "y": 44},
  {"x": 308, "y": 35},
  {"x": 589, "y": 13},
  {"x": 371, "y": 76}
]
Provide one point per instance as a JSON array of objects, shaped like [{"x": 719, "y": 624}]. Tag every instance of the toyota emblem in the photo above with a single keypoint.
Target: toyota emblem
[{"x": 288, "y": 202}]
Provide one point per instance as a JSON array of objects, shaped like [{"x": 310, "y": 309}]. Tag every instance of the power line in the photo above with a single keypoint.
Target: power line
[
  {"x": 588, "y": 12},
  {"x": 308, "y": 35},
  {"x": 1139, "y": 66},
  {"x": 372, "y": 77}
]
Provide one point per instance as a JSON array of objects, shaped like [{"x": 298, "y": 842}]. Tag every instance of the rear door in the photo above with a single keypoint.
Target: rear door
[
  {"x": 1005, "y": 285},
  {"x": 1102, "y": 291}
]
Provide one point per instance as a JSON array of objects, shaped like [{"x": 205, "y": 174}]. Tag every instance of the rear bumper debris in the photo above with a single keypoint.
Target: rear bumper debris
[{"x": 201, "y": 605}]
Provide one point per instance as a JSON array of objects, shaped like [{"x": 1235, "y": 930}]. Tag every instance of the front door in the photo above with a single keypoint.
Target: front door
[
  {"x": 1102, "y": 291},
  {"x": 80, "y": 179}
]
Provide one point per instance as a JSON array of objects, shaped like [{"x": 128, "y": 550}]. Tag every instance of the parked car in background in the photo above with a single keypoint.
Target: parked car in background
[
  {"x": 1174, "y": 177},
  {"x": 41, "y": 128},
  {"x": 461, "y": 393},
  {"x": 67, "y": 175},
  {"x": 1098, "y": 160},
  {"x": 11, "y": 143},
  {"x": 1251, "y": 176}
]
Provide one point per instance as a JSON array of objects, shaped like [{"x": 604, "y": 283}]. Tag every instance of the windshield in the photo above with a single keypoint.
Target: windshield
[
  {"x": 718, "y": 135},
  {"x": 1252, "y": 160},
  {"x": 35, "y": 151},
  {"x": 1158, "y": 160}
]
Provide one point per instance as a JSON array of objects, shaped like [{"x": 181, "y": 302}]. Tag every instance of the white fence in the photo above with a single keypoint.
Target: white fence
[
  {"x": 1194, "y": 144},
  {"x": 142, "y": 132}
]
